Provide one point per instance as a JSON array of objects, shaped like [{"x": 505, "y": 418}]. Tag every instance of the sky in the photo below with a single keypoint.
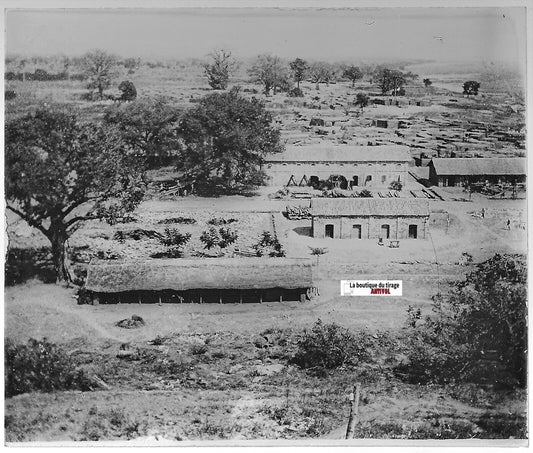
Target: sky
[{"x": 447, "y": 34}]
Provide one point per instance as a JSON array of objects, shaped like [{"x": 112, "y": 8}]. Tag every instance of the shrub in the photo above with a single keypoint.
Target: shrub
[
  {"x": 296, "y": 93},
  {"x": 110, "y": 424},
  {"x": 396, "y": 185},
  {"x": 227, "y": 237},
  {"x": 40, "y": 366},
  {"x": 175, "y": 241},
  {"x": 478, "y": 330},
  {"x": 220, "y": 221},
  {"x": 269, "y": 245},
  {"x": 129, "y": 92},
  {"x": 365, "y": 194},
  {"x": 330, "y": 346},
  {"x": 181, "y": 220},
  {"x": 9, "y": 95}
]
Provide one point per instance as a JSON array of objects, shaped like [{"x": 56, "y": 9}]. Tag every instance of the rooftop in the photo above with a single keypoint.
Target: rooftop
[
  {"x": 480, "y": 166},
  {"x": 210, "y": 273},
  {"x": 369, "y": 207},
  {"x": 342, "y": 153}
]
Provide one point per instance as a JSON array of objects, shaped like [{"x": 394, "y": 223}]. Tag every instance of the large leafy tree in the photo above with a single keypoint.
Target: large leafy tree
[
  {"x": 225, "y": 138},
  {"x": 392, "y": 80},
  {"x": 271, "y": 72},
  {"x": 352, "y": 73},
  {"x": 299, "y": 69},
  {"x": 219, "y": 70},
  {"x": 100, "y": 68},
  {"x": 321, "y": 72},
  {"x": 147, "y": 126},
  {"x": 60, "y": 172}
]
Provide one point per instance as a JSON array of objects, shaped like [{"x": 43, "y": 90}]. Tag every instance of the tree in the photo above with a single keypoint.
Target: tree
[
  {"x": 392, "y": 80},
  {"x": 352, "y": 73},
  {"x": 129, "y": 92},
  {"x": 321, "y": 72},
  {"x": 318, "y": 251},
  {"x": 100, "y": 68},
  {"x": 484, "y": 314},
  {"x": 299, "y": 69},
  {"x": 427, "y": 83},
  {"x": 362, "y": 100},
  {"x": 225, "y": 138},
  {"x": 60, "y": 173},
  {"x": 271, "y": 72},
  {"x": 147, "y": 125},
  {"x": 470, "y": 88},
  {"x": 220, "y": 69}
]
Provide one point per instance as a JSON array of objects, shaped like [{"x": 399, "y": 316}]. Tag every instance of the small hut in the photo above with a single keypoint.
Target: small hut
[{"x": 210, "y": 280}]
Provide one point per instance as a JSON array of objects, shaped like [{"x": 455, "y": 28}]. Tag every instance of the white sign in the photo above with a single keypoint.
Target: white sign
[{"x": 371, "y": 287}]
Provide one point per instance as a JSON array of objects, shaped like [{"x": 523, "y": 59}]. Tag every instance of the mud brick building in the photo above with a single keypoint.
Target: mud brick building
[
  {"x": 357, "y": 166},
  {"x": 210, "y": 280},
  {"x": 446, "y": 172},
  {"x": 369, "y": 218}
]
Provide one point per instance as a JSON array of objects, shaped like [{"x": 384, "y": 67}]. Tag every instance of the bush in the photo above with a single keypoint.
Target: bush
[
  {"x": 220, "y": 221},
  {"x": 269, "y": 245},
  {"x": 365, "y": 194},
  {"x": 227, "y": 237},
  {"x": 129, "y": 92},
  {"x": 180, "y": 220},
  {"x": 396, "y": 185},
  {"x": 478, "y": 330},
  {"x": 9, "y": 95},
  {"x": 296, "y": 93},
  {"x": 330, "y": 346},
  {"x": 174, "y": 240},
  {"x": 40, "y": 366},
  {"x": 221, "y": 237},
  {"x": 110, "y": 424}
]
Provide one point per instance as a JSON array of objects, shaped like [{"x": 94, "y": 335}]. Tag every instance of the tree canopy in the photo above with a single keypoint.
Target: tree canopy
[
  {"x": 392, "y": 80},
  {"x": 100, "y": 68},
  {"x": 147, "y": 126},
  {"x": 219, "y": 70},
  {"x": 226, "y": 137},
  {"x": 271, "y": 72},
  {"x": 471, "y": 88},
  {"x": 299, "y": 70},
  {"x": 362, "y": 100},
  {"x": 352, "y": 73},
  {"x": 60, "y": 172}
]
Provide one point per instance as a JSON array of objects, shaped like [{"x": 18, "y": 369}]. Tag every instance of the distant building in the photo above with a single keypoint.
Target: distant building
[
  {"x": 367, "y": 218},
  {"x": 353, "y": 166},
  {"x": 211, "y": 280},
  {"x": 445, "y": 172}
]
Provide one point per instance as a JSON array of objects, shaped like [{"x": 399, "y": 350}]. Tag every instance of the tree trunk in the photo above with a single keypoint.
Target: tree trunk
[{"x": 58, "y": 237}]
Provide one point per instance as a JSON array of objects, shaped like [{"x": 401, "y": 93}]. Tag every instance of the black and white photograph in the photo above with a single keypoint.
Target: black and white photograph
[{"x": 264, "y": 224}]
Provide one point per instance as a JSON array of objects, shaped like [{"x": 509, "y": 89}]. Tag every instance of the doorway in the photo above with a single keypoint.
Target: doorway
[
  {"x": 385, "y": 231},
  {"x": 329, "y": 231},
  {"x": 356, "y": 232},
  {"x": 413, "y": 233}
]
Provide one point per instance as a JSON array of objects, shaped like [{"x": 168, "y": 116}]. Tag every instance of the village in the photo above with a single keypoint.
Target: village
[{"x": 186, "y": 315}]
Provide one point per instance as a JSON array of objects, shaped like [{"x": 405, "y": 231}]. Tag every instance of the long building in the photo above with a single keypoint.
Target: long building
[
  {"x": 357, "y": 166},
  {"x": 215, "y": 280},
  {"x": 369, "y": 218},
  {"x": 446, "y": 172}
]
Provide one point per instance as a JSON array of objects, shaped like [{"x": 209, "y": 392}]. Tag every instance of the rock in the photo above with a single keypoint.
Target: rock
[{"x": 260, "y": 342}]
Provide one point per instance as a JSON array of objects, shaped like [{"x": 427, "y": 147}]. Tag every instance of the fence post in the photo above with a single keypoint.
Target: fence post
[{"x": 354, "y": 411}]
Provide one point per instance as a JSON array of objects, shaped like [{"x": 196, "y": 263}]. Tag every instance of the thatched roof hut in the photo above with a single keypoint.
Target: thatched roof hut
[{"x": 200, "y": 274}]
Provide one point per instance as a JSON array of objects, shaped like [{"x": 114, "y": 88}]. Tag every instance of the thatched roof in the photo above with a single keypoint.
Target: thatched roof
[
  {"x": 366, "y": 207},
  {"x": 341, "y": 153},
  {"x": 210, "y": 273},
  {"x": 480, "y": 166}
]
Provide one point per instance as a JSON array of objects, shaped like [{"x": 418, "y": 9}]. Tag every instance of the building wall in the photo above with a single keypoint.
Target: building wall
[
  {"x": 382, "y": 173},
  {"x": 371, "y": 227},
  {"x": 461, "y": 181}
]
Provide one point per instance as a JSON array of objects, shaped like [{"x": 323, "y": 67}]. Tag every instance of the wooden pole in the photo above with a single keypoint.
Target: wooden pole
[{"x": 354, "y": 411}]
